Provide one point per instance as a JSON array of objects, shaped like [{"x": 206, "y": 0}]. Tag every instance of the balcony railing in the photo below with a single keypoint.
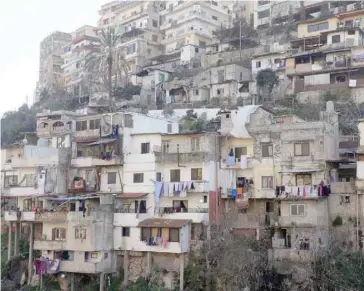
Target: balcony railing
[
  {"x": 171, "y": 210},
  {"x": 236, "y": 163},
  {"x": 92, "y": 161}
]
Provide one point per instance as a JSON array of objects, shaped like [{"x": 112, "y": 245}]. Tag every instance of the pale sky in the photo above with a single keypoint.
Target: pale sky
[{"x": 23, "y": 25}]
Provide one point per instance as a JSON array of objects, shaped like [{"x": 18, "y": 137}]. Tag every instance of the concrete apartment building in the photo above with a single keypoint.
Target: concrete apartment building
[
  {"x": 50, "y": 61},
  {"x": 192, "y": 22},
  {"x": 84, "y": 41}
]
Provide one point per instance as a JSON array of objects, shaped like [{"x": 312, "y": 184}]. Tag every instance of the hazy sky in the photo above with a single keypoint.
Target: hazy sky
[{"x": 23, "y": 24}]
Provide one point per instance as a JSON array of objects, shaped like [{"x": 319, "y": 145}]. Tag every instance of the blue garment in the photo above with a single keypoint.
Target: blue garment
[
  {"x": 230, "y": 160},
  {"x": 233, "y": 193},
  {"x": 157, "y": 191}
]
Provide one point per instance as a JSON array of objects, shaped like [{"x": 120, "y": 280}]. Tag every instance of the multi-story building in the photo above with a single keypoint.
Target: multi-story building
[
  {"x": 84, "y": 41},
  {"x": 50, "y": 61},
  {"x": 192, "y": 22},
  {"x": 326, "y": 55}
]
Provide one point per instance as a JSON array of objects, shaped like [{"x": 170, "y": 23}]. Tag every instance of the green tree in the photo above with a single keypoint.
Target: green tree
[
  {"x": 266, "y": 81},
  {"x": 109, "y": 60}
]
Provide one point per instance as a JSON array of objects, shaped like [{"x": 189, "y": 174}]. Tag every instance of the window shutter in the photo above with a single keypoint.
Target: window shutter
[
  {"x": 53, "y": 233},
  {"x": 63, "y": 233}
]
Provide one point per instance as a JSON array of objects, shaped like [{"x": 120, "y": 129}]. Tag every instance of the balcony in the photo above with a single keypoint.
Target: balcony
[
  {"x": 263, "y": 21},
  {"x": 236, "y": 163},
  {"x": 51, "y": 216},
  {"x": 197, "y": 215},
  {"x": 182, "y": 158},
  {"x": 135, "y": 244},
  {"x": 50, "y": 245},
  {"x": 22, "y": 191},
  {"x": 86, "y": 134},
  {"x": 83, "y": 267},
  {"x": 131, "y": 218},
  {"x": 85, "y": 162},
  {"x": 32, "y": 162}
]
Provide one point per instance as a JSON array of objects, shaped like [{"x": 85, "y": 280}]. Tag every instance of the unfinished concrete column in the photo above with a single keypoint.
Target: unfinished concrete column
[
  {"x": 149, "y": 263},
  {"x": 181, "y": 271},
  {"x": 126, "y": 268},
  {"x": 102, "y": 281},
  {"x": 72, "y": 281},
  {"x": 16, "y": 240},
  {"x": 30, "y": 260},
  {"x": 10, "y": 245}
]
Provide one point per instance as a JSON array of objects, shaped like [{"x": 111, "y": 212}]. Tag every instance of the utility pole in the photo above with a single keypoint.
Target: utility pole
[{"x": 240, "y": 38}]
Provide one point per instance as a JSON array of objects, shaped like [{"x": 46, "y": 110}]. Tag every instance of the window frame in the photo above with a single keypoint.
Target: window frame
[
  {"x": 137, "y": 181},
  {"x": 170, "y": 235},
  {"x": 79, "y": 232},
  {"x": 268, "y": 149},
  {"x": 297, "y": 210},
  {"x": 109, "y": 179},
  {"x": 145, "y": 148},
  {"x": 269, "y": 184},
  {"x": 81, "y": 125},
  {"x": 175, "y": 179},
  {"x": 301, "y": 144},
  {"x": 125, "y": 231},
  {"x": 196, "y": 174},
  {"x": 244, "y": 151},
  {"x": 304, "y": 177}
]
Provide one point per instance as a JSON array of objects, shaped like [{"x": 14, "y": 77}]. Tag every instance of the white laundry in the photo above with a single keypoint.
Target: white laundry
[
  {"x": 170, "y": 189},
  {"x": 244, "y": 162},
  {"x": 183, "y": 193}
]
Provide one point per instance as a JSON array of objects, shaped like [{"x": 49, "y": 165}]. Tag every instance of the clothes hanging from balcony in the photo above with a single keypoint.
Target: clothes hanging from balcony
[
  {"x": 52, "y": 266},
  {"x": 230, "y": 160},
  {"x": 164, "y": 242},
  {"x": 183, "y": 194},
  {"x": 240, "y": 192},
  {"x": 170, "y": 189},
  {"x": 40, "y": 266},
  {"x": 233, "y": 193},
  {"x": 244, "y": 162},
  {"x": 158, "y": 188}
]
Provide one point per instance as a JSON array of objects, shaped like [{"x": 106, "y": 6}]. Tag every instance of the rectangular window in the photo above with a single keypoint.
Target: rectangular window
[
  {"x": 81, "y": 125},
  {"x": 196, "y": 49},
  {"x": 11, "y": 181},
  {"x": 140, "y": 206},
  {"x": 154, "y": 38},
  {"x": 155, "y": 23},
  {"x": 128, "y": 120},
  {"x": 165, "y": 147},
  {"x": 302, "y": 149},
  {"x": 240, "y": 151},
  {"x": 94, "y": 255},
  {"x": 344, "y": 199},
  {"x": 169, "y": 128},
  {"x": 146, "y": 233},
  {"x": 267, "y": 182},
  {"x": 195, "y": 144},
  {"x": 80, "y": 233},
  {"x": 303, "y": 179},
  {"x": 106, "y": 255},
  {"x": 125, "y": 231},
  {"x": 220, "y": 91},
  {"x": 196, "y": 174},
  {"x": 158, "y": 177},
  {"x": 58, "y": 233},
  {"x": 335, "y": 38},
  {"x": 180, "y": 205},
  {"x": 145, "y": 148},
  {"x": 220, "y": 76},
  {"x": 175, "y": 175},
  {"x": 258, "y": 64},
  {"x": 138, "y": 178},
  {"x": 111, "y": 178},
  {"x": 196, "y": 92},
  {"x": 174, "y": 235},
  {"x": 205, "y": 199},
  {"x": 214, "y": 17},
  {"x": 297, "y": 210},
  {"x": 318, "y": 27},
  {"x": 95, "y": 124},
  {"x": 267, "y": 150}
]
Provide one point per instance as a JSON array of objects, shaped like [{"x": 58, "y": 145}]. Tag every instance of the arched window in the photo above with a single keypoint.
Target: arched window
[
  {"x": 43, "y": 125},
  {"x": 58, "y": 124}
]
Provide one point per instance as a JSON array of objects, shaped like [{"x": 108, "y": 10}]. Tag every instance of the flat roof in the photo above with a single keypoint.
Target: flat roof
[{"x": 167, "y": 223}]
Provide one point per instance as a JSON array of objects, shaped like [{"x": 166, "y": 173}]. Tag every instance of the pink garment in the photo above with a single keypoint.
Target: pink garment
[{"x": 164, "y": 242}]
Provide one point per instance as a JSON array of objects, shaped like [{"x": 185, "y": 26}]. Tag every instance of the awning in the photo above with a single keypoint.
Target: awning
[
  {"x": 73, "y": 198},
  {"x": 299, "y": 171},
  {"x": 167, "y": 223},
  {"x": 102, "y": 141}
]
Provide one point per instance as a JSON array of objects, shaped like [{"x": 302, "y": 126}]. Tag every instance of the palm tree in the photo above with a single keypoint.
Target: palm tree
[{"x": 106, "y": 61}]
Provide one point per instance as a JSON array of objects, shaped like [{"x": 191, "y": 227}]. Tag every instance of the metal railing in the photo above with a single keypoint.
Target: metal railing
[{"x": 171, "y": 210}]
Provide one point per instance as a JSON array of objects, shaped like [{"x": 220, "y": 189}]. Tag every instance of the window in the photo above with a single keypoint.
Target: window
[
  {"x": 297, "y": 210},
  {"x": 128, "y": 120},
  {"x": 317, "y": 27},
  {"x": 146, "y": 232},
  {"x": 304, "y": 244},
  {"x": 169, "y": 128},
  {"x": 94, "y": 255},
  {"x": 267, "y": 150},
  {"x": 335, "y": 38},
  {"x": 165, "y": 146},
  {"x": 175, "y": 175},
  {"x": 258, "y": 64},
  {"x": 145, "y": 148},
  {"x": 201, "y": 43},
  {"x": 154, "y": 38},
  {"x": 161, "y": 77},
  {"x": 138, "y": 178},
  {"x": 196, "y": 92},
  {"x": 340, "y": 79},
  {"x": 220, "y": 76},
  {"x": 205, "y": 199},
  {"x": 302, "y": 149},
  {"x": 351, "y": 32},
  {"x": 344, "y": 199},
  {"x": 174, "y": 65},
  {"x": 195, "y": 144},
  {"x": 241, "y": 151},
  {"x": 214, "y": 17},
  {"x": 125, "y": 231},
  {"x": 58, "y": 233},
  {"x": 111, "y": 178},
  {"x": 303, "y": 179},
  {"x": 95, "y": 124},
  {"x": 277, "y": 61},
  {"x": 141, "y": 206},
  {"x": 196, "y": 174},
  {"x": 155, "y": 23},
  {"x": 159, "y": 177},
  {"x": 267, "y": 182},
  {"x": 106, "y": 255},
  {"x": 80, "y": 233},
  {"x": 174, "y": 235},
  {"x": 11, "y": 181},
  {"x": 131, "y": 49},
  {"x": 81, "y": 125},
  {"x": 196, "y": 49},
  {"x": 64, "y": 255}
]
